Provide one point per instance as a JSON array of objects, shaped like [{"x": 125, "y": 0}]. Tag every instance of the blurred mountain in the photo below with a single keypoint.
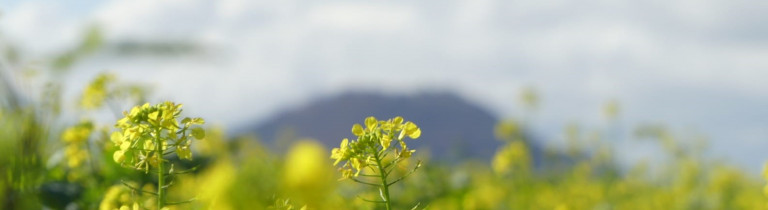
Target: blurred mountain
[{"x": 452, "y": 128}]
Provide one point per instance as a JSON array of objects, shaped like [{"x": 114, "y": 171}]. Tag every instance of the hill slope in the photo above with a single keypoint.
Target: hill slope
[{"x": 452, "y": 127}]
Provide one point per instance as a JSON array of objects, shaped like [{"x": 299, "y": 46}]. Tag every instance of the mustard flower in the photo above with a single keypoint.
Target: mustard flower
[{"x": 372, "y": 150}]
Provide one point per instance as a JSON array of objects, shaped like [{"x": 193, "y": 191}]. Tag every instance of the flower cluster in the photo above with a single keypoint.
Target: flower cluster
[
  {"x": 372, "y": 141},
  {"x": 147, "y": 131},
  {"x": 121, "y": 196},
  {"x": 96, "y": 93},
  {"x": 513, "y": 157},
  {"x": 105, "y": 89},
  {"x": 76, "y": 138}
]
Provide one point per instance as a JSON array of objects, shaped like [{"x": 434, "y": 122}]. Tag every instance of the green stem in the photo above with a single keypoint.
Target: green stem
[
  {"x": 384, "y": 186},
  {"x": 160, "y": 172}
]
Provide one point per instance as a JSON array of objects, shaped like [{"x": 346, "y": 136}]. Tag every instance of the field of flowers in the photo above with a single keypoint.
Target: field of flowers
[
  {"x": 75, "y": 134},
  {"x": 154, "y": 156}
]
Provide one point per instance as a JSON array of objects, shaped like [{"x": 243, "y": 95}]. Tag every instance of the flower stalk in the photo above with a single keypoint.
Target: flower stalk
[{"x": 160, "y": 172}]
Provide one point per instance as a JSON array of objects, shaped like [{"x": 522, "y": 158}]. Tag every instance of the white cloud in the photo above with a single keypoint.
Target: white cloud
[
  {"x": 39, "y": 27},
  {"x": 361, "y": 17}
]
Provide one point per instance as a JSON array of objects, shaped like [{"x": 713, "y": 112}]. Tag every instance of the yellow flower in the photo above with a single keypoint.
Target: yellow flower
[
  {"x": 76, "y": 138},
  {"x": 413, "y": 131},
  {"x": 512, "y": 156},
  {"x": 116, "y": 138},
  {"x": 119, "y": 156},
  {"x": 184, "y": 152},
  {"x": 346, "y": 173},
  {"x": 111, "y": 197},
  {"x": 358, "y": 164},
  {"x": 386, "y": 140},
  {"x": 95, "y": 94},
  {"x": 371, "y": 148},
  {"x": 307, "y": 169},
  {"x": 397, "y": 120},
  {"x": 371, "y": 123},
  {"x": 146, "y": 126},
  {"x": 357, "y": 129},
  {"x": 75, "y": 156},
  {"x": 377, "y": 136},
  {"x": 406, "y": 153},
  {"x": 78, "y": 133},
  {"x": 340, "y": 153},
  {"x": 125, "y": 145},
  {"x": 135, "y": 111},
  {"x": 121, "y": 197},
  {"x": 153, "y": 118}
]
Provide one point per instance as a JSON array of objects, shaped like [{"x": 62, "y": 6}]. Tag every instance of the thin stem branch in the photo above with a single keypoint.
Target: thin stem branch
[
  {"x": 181, "y": 202},
  {"x": 193, "y": 169},
  {"x": 391, "y": 164},
  {"x": 418, "y": 164},
  {"x": 137, "y": 189},
  {"x": 372, "y": 201},
  {"x": 362, "y": 182}
]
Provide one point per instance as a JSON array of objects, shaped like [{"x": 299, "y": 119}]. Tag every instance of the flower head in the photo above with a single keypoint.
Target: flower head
[
  {"x": 146, "y": 130},
  {"x": 372, "y": 142}
]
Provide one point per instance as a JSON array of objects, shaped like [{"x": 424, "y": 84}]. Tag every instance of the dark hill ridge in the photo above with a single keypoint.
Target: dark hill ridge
[{"x": 452, "y": 128}]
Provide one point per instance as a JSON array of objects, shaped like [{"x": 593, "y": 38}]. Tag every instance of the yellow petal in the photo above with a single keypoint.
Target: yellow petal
[
  {"x": 357, "y": 129},
  {"x": 119, "y": 156},
  {"x": 385, "y": 141},
  {"x": 415, "y": 134},
  {"x": 344, "y": 143},
  {"x": 371, "y": 123},
  {"x": 134, "y": 111},
  {"x": 153, "y": 117},
  {"x": 125, "y": 145},
  {"x": 116, "y": 137},
  {"x": 397, "y": 120}
]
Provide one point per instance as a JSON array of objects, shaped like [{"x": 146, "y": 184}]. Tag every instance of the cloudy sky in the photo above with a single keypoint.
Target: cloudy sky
[{"x": 698, "y": 66}]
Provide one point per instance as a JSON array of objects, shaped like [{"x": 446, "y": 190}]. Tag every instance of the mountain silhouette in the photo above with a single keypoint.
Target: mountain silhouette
[{"x": 452, "y": 128}]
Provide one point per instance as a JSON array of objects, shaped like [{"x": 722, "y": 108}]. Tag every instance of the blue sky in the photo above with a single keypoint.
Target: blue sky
[{"x": 698, "y": 66}]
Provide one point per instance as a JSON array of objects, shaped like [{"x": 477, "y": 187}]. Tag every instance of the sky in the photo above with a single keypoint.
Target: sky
[{"x": 698, "y": 66}]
